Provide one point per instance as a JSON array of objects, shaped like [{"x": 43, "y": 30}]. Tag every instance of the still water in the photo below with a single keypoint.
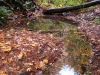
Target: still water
[
  {"x": 66, "y": 70},
  {"x": 77, "y": 54}
]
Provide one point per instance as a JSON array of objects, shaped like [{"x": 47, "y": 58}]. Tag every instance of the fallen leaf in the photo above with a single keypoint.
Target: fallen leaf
[
  {"x": 14, "y": 64},
  {"x": 34, "y": 44},
  {"x": 60, "y": 5},
  {"x": 6, "y": 48},
  {"x": 20, "y": 55},
  {"x": 10, "y": 59},
  {"x": 45, "y": 61},
  {"x": 8, "y": 43},
  {"x": 37, "y": 65},
  {"x": 18, "y": 68},
  {"x": 42, "y": 65},
  {"x": 29, "y": 69},
  {"x": 2, "y": 73},
  {"x": 28, "y": 64},
  {"x": 2, "y": 44},
  {"x": 4, "y": 61}
]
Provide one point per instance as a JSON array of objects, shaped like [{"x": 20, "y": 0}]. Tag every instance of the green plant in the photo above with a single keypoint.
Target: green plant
[
  {"x": 4, "y": 12},
  {"x": 97, "y": 20},
  {"x": 87, "y": 73},
  {"x": 28, "y": 5},
  {"x": 61, "y": 3}
]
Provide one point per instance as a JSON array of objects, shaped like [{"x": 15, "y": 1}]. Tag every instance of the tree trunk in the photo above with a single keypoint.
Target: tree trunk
[{"x": 66, "y": 9}]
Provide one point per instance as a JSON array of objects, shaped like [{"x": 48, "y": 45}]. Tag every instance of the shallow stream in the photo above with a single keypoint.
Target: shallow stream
[{"x": 76, "y": 56}]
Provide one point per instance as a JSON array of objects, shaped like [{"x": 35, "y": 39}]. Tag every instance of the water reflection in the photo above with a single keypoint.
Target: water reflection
[
  {"x": 66, "y": 70},
  {"x": 77, "y": 53}
]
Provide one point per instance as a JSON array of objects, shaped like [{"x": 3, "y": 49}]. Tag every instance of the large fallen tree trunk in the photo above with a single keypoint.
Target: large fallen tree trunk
[{"x": 66, "y": 9}]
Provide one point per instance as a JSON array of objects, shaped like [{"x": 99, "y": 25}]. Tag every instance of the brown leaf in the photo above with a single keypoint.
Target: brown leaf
[
  {"x": 4, "y": 61},
  {"x": 10, "y": 59},
  {"x": 20, "y": 55},
  {"x": 37, "y": 65},
  {"x": 2, "y": 73}
]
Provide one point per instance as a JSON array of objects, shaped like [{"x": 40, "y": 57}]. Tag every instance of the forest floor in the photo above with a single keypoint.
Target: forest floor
[{"x": 23, "y": 52}]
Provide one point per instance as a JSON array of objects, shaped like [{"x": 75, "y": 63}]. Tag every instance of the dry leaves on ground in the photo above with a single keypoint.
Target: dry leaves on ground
[{"x": 27, "y": 51}]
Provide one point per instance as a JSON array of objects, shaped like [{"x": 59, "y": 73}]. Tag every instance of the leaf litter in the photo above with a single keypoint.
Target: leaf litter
[{"x": 23, "y": 51}]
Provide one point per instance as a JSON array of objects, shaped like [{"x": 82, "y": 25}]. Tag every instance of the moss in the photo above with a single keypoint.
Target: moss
[
  {"x": 45, "y": 24},
  {"x": 97, "y": 20}
]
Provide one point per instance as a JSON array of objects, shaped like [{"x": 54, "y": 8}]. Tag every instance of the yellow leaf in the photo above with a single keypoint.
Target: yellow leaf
[
  {"x": 51, "y": 35},
  {"x": 45, "y": 61},
  {"x": 8, "y": 35},
  {"x": 2, "y": 44},
  {"x": 6, "y": 48},
  {"x": 60, "y": 5},
  {"x": 34, "y": 44},
  {"x": 28, "y": 64}
]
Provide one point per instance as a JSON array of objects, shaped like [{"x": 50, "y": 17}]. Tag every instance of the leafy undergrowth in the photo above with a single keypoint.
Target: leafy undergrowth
[
  {"x": 59, "y": 3},
  {"x": 4, "y": 12},
  {"x": 26, "y": 52}
]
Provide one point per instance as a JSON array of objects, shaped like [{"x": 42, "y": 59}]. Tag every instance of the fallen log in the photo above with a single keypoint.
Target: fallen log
[{"x": 70, "y": 8}]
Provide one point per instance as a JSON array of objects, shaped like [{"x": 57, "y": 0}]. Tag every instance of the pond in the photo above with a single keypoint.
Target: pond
[{"x": 77, "y": 53}]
